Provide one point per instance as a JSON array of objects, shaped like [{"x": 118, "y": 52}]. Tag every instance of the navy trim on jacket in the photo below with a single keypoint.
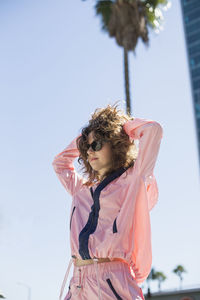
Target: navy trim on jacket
[{"x": 92, "y": 222}]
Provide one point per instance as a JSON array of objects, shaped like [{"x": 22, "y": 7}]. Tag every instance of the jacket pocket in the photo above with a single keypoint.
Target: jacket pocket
[
  {"x": 72, "y": 216},
  {"x": 113, "y": 289},
  {"x": 115, "y": 225}
]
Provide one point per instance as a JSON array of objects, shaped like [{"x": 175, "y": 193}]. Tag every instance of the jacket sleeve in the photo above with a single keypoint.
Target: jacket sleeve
[
  {"x": 64, "y": 168},
  {"x": 149, "y": 133}
]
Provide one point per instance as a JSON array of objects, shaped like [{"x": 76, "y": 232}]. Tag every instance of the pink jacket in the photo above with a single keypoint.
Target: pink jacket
[{"x": 112, "y": 219}]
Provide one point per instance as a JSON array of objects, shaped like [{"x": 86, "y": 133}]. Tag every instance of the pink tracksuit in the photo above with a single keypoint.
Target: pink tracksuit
[{"x": 111, "y": 219}]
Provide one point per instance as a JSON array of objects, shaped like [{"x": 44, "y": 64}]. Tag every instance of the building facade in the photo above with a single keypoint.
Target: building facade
[
  {"x": 191, "y": 21},
  {"x": 182, "y": 294}
]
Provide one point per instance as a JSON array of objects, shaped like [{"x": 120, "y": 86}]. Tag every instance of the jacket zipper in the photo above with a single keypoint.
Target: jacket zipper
[
  {"x": 113, "y": 289},
  {"x": 115, "y": 225},
  {"x": 72, "y": 216}
]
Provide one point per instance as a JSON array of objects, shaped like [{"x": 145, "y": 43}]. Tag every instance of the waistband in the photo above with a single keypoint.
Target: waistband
[{"x": 84, "y": 263}]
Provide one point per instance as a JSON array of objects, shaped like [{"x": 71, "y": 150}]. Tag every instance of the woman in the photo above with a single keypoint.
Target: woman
[{"x": 110, "y": 234}]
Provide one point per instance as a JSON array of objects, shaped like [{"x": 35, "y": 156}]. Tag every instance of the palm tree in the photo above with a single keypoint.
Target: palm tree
[
  {"x": 160, "y": 276},
  {"x": 178, "y": 271},
  {"x": 149, "y": 278},
  {"x": 127, "y": 20}
]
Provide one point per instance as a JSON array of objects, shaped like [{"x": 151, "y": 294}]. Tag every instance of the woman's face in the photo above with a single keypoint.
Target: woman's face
[{"x": 100, "y": 161}]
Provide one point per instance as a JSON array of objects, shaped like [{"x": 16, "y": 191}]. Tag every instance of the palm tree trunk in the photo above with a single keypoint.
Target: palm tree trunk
[
  {"x": 180, "y": 283},
  {"x": 128, "y": 102}
]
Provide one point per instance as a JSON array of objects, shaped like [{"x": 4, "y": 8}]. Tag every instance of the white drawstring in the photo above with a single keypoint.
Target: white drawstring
[
  {"x": 65, "y": 278},
  {"x": 96, "y": 269}
]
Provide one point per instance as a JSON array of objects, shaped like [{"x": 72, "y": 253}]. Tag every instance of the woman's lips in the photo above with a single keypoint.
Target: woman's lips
[{"x": 93, "y": 159}]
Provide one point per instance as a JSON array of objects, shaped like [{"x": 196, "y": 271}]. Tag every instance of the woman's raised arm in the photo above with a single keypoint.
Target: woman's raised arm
[
  {"x": 149, "y": 134},
  {"x": 64, "y": 168}
]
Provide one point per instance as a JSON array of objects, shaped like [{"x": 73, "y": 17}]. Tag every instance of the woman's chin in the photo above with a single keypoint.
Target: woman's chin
[{"x": 94, "y": 168}]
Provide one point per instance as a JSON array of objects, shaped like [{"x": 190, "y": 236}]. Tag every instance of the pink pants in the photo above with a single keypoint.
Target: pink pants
[{"x": 114, "y": 281}]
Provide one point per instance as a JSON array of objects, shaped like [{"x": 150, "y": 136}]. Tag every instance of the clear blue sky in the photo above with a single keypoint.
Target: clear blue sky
[{"x": 56, "y": 67}]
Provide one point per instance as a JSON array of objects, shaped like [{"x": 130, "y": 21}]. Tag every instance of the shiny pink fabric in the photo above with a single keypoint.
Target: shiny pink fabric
[
  {"x": 128, "y": 199},
  {"x": 115, "y": 280}
]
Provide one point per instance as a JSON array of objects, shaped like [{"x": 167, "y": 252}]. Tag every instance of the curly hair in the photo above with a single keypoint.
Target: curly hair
[{"x": 107, "y": 125}]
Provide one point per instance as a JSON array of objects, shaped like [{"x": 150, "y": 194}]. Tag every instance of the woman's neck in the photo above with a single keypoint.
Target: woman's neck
[{"x": 101, "y": 178}]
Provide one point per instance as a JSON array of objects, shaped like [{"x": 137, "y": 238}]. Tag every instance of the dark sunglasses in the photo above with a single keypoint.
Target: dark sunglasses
[{"x": 95, "y": 145}]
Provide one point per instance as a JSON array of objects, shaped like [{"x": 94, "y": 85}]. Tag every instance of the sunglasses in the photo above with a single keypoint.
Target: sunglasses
[{"x": 95, "y": 145}]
